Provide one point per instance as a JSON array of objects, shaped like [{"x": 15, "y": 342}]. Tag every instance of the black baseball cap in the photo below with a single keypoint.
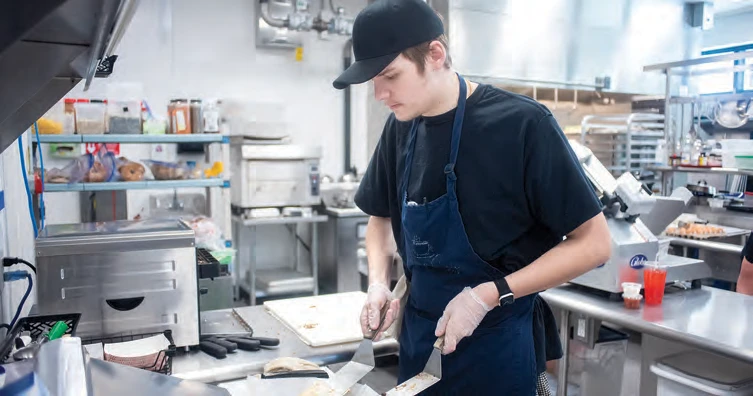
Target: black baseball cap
[{"x": 382, "y": 31}]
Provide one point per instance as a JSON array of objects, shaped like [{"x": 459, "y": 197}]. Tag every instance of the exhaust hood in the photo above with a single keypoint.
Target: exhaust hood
[{"x": 47, "y": 47}]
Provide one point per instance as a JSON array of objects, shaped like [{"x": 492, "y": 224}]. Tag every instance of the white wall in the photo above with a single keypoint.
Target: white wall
[
  {"x": 197, "y": 48},
  {"x": 20, "y": 236}
]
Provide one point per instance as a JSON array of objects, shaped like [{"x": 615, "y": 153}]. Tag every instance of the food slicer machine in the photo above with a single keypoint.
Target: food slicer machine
[{"x": 635, "y": 217}]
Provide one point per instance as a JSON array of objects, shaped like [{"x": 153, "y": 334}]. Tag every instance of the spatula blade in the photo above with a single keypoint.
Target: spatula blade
[
  {"x": 365, "y": 353},
  {"x": 431, "y": 375},
  {"x": 347, "y": 376},
  {"x": 434, "y": 364}
]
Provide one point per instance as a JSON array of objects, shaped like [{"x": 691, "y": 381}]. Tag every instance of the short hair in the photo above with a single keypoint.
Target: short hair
[{"x": 418, "y": 53}]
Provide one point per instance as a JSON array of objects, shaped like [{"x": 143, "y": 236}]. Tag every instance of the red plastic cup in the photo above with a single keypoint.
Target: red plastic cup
[{"x": 654, "y": 280}]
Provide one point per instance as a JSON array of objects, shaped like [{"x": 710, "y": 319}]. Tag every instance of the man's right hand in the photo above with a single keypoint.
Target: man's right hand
[{"x": 378, "y": 295}]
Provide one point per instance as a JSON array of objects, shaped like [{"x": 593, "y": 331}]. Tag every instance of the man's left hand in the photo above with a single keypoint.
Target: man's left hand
[{"x": 460, "y": 318}]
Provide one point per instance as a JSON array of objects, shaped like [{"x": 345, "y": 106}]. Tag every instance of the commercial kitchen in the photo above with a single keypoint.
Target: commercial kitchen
[{"x": 178, "y": 178}]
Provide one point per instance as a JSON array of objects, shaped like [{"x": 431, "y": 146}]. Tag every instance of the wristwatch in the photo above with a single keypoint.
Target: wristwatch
[{"x": 505, "y": 294}]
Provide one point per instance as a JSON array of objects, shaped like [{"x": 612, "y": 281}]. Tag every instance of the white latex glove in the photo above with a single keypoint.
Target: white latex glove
[
  {"x": 460, "y": 318},
  {"x": 377, "y": 296}
]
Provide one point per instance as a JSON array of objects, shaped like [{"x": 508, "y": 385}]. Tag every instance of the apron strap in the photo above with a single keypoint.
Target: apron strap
[
  {"x": 408, "y": 161},
  {"x": 457, "y": 128}
]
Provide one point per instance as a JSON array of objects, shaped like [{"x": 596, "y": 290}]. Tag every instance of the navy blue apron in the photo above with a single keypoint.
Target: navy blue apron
[{"x": 498, "y": 358}]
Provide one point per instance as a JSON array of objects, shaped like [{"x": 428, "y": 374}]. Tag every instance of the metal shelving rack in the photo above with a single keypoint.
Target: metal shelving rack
[
  {"x": 134, "y": 138},
  {"x": 262, "y": 283},
  {"x": 218, "y": 201},
  {"x": 623, "y": 142},
  {"x": 685, "y": 70}
]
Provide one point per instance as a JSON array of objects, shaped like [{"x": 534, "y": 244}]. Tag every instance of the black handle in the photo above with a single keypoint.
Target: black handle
[
  {"x": 246, "y": 344},
  {"x": 125, "y": 304},
  {"x": 203, "y": 290},
  {"x": 266, "y": 341},
  {"x": 213, "y": 349},
  {"x": 297, "y": 374},
  {"x": 230, "y": 346},
  {"x": 169, "y": 335}
]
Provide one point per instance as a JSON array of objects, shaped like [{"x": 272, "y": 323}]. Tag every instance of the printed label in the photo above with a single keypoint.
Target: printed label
[{"x": 638, "y": 261}]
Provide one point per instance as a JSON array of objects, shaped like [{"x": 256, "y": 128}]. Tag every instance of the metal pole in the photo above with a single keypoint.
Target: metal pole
[
  {"x": 670, "y": 141},
  {"x": 252, "y": 265},
  {"x": 315, "y": 256},
  {"x": 297, "y": 248},
  {"x": 347, "y": 50},
  {"x": 565, "y": 340}
]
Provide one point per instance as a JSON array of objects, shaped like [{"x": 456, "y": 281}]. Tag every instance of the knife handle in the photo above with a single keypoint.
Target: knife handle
[
  {"x": 265, "y": 341},
  {"x": 298, "y": 374},
  {"x": 213, "y": 349},
  {"x": 246, "y": 344},
  {"x": 230, "y": 346}
]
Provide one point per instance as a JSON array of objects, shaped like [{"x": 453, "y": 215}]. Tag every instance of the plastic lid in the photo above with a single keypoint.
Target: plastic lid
[
  {"x": 70, "y": 100},
  {"x": 712, "y": 370}
]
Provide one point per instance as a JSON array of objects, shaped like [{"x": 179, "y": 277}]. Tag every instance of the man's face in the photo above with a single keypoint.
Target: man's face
[{"x": 403, "y": 89}]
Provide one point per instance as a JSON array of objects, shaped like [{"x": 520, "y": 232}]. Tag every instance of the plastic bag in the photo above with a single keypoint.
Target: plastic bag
[
  {"x": 103, "y": 167},
  {"x": 167, "y": 170},
  {"x": 208, "y": 234},
  {"x": 130, "y": 170},
  {"x": 74, "y": 172}
]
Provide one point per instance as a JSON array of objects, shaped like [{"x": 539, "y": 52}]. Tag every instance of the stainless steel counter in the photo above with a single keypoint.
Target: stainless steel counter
[
  {"x": 712, "y": 246},
  {"x": 198, "y": 366},
  {"x": 708, "y": 318}
]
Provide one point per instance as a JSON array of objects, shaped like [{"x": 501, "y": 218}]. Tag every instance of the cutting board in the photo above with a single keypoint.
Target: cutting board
[{"x": 321, "y": 320}]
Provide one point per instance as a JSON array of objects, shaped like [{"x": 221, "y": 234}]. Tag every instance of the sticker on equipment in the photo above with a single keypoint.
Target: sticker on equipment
[{"x": 638, "y": 261}]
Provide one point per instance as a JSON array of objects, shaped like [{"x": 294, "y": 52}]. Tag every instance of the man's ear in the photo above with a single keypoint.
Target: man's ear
[{"x": 437, "y": 55}]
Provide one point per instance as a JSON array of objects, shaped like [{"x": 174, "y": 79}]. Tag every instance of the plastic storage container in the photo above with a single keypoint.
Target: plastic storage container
[
  {"x": 744, "y": 161},
  {"x": 52, "y": 122},
  {"x": 69, "y": 116},
  {"x": 124, "y": 116},
  {"x": 90, "y": 118},
  {"x": 180, "y": 116},
  {"x": 196, "y": 117},
  {"x": 734, "y": 147},
  {"x": 698, "y": 373}
]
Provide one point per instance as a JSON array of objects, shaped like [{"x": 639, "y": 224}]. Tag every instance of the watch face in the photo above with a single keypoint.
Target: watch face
[{"x": 506, "y": 299}]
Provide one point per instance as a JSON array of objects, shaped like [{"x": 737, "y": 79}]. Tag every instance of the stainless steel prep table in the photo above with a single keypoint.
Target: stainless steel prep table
[
  {"x": 339, "y": 239},
  {"x": 711, "y": 319},
  {"x": 199, "y": 366}
]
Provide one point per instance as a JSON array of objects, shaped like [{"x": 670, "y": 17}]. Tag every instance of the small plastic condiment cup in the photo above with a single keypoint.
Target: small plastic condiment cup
[
  {"x": 631, "y": 289},
  {"x": 632, "y": 301}
]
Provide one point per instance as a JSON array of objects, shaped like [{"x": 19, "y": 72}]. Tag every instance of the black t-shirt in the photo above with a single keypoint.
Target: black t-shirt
[{"x": 520, "y": 187}]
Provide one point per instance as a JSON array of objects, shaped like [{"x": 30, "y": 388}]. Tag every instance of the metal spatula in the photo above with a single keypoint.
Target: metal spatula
[
  {"x": 361, "y": 363},
  {"x": 431, "y": 375}
]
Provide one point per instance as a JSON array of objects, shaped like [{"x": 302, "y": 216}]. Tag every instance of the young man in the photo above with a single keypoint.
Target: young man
[
  {"x": 745, "y": 279},
  {"x": 478, "y": 186}
]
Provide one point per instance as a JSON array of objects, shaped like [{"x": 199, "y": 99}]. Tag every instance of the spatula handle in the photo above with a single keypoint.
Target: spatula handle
[
  {"x": 382, "y": 316},
  {"x": 439, "y": 344}
]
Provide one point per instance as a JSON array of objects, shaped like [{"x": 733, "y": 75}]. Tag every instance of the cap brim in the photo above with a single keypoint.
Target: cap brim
[{"x": 363, "y": 70}]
